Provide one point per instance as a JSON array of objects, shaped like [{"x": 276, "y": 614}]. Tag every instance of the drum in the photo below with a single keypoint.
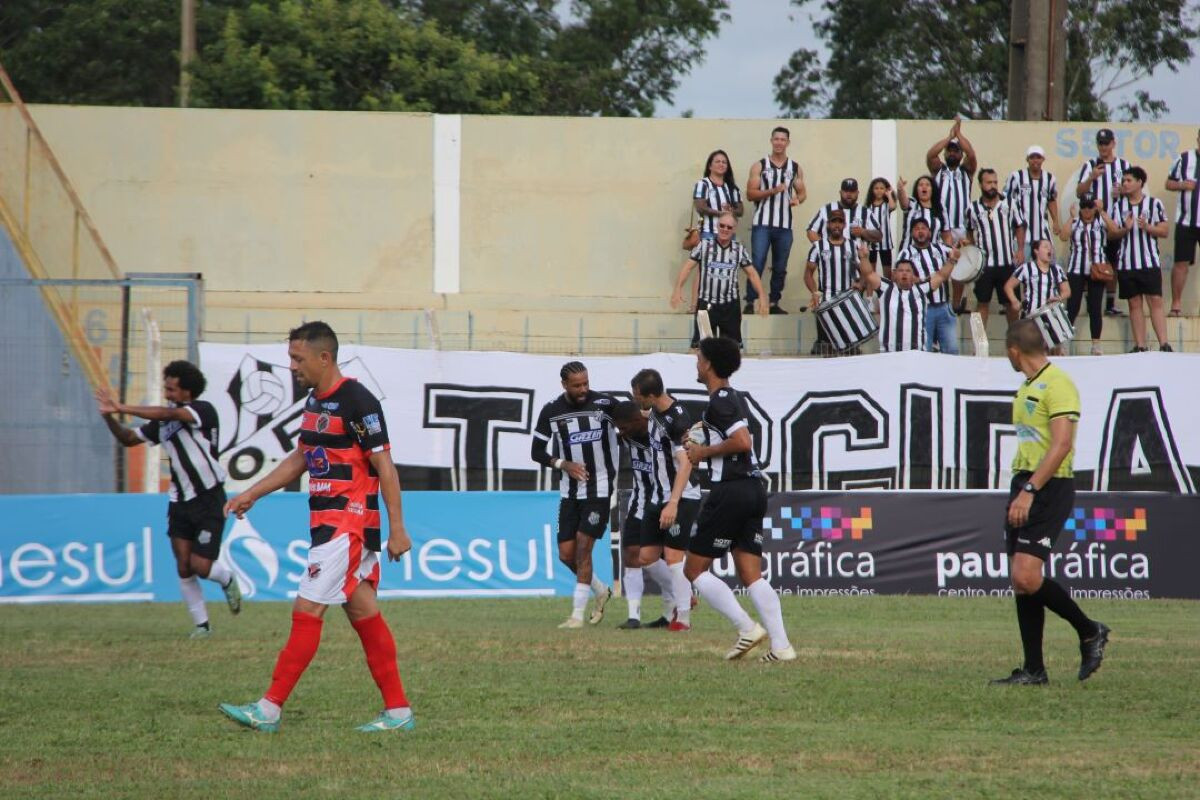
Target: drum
[
  {"x": 846, "y": 320},
  {"x": 1055, "y": 325},
  {"x": 970, "y": 264}
]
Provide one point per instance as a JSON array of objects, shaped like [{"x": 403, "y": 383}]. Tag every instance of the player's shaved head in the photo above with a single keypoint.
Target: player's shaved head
[
  {"x": 1026, "y": 337},
  {"x": 318, "y": 335}
]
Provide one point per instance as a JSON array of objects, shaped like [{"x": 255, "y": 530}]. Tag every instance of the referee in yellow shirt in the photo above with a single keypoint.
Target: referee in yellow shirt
[{"x": 1045, "y": 412}]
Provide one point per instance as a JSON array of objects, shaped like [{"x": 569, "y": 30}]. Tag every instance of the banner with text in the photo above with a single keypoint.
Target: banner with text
[{"x": 462, "y": 420}]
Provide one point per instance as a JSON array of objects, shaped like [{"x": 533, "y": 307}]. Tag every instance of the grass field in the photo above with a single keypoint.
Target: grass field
[{"x": 888, "y": 700}]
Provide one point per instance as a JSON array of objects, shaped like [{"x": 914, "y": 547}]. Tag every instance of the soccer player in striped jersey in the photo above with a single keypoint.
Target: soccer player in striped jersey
[
  {"x": 1184, "y": 175},
  {"x": 992, "y": 221},
  {"x": 1040, "y": 280},
  {"x": 1035, "y": 192},
  {"x": 1045, "y": 413},
  {"x": 926, "y": 258},
  {"x": 675, "y": 500},
  {"x": 776, "y": 187},
  {"x": 717, "y": 291},
  {"x": 904, "y": 302},
  {"x": 1136, "y": 221},
  {"x": 575, "y": 434},
  {"x": 1087, "y": 235},
  {"x": 1101, "y": 177},
  {"x": 881, "y": 202},
  {"x": 715, "y": 193},
  {"x": 187, "y": 429},
  {"x": 731, "y": 519},
  {"x": 952, "y": 163},
  {"x": 345, "y": 450}
]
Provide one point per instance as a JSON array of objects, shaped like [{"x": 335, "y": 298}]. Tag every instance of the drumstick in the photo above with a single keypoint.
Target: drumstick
[
  {"x": 706, "y": 331},
  {"x": 979, "y": 334}
]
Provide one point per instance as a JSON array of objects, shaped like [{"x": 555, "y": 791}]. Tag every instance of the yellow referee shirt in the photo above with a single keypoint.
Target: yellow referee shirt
[{"x": 1049, "y": 394}]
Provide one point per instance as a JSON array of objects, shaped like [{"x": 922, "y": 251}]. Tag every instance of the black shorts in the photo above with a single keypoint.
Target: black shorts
[
  {"x": 1187, "y": 237},
  {"x": 679, "y": 534},
  {"x": 200, "y": 521},
  {"x": 731, "y": 517},
  {"x": 1049, "y": 513},
  {"x": 581, "y": 516},
  {"x": 993, "y": 278},
  {"x": 724, "y": 318},
  {"x": 1137, "y": 282},
  {"x": 1112, "y": 252}
]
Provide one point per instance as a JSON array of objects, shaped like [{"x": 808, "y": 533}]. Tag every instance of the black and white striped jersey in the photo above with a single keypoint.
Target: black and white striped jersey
[
  {"x": 1033, "y": 196},
  {"x": 726, "y": 414},
  {"x": 954, "y": 190},
  {"x": 1187, "y": 168},
  {"x": 1139, "y": 250},
  {"x": 936, "y": 220},
  {"x": 776, "y": 211},
  {"x": 668, "y": 429},
  {"x": 993, "y": 228},
  {"x": 1103, "y": 187},
  {"x": 880, "y": 218},
  {"x": 191, "y": 449},
  {"x": 837, "y": 266},
  {"x": 641, "y": 461},
  {"x": 582, "y": 433},
  {"x": 902, "y": 316},
  {"x": 1037, "y": 287},
  {"x": 719, "y": 268},
  {"x": 856, "y": 217},
  {"x": 926, "y": 261},
  {"x": 715, "y": 197},
  {"x": 1087, "y": 245}
]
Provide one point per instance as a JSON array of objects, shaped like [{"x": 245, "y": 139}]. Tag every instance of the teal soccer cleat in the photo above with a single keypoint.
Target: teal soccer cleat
[
  {"x": 251, "y": 716},
  {"x": 385, "y": 722}
]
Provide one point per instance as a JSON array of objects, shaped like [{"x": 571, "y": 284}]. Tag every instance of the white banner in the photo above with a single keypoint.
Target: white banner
[{"x": 461, "y": 420}]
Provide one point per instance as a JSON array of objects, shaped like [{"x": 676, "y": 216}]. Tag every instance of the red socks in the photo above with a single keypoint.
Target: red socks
[
  {"x": 380, "y": 648},
  {"x": 295, "y": 656}
]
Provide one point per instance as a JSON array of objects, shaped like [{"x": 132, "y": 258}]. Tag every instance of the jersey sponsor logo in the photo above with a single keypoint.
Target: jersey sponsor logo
[
  {"x": 583, "y": 437},
  {"x": 372, "y": 423},
  {"x": 330, "y": 406},
  {"x": 355, "y": 508},
  {"x": 722, "y": 543},
  {"x": 169, "y": 429},
  {"x": 641, "y": 466},
  {"x": 603, "y": 401},
  {"x": 319, "y": 487},
  {"x": 318, "y": 462},
  {"x": 323, "y": 422}
]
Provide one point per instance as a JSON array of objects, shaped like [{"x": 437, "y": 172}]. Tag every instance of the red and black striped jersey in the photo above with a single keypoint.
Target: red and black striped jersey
[{"x": 338, "y": 433}]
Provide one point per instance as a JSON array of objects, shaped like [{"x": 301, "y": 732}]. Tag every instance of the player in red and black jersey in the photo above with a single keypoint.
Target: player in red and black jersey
[{"x": 344, "y": 448}]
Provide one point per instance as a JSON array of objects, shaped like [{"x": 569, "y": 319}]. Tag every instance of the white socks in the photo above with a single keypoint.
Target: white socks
[
  {"x": 633, "y": 588},
  {"x": 661, "y": 574},
  {"x": 579, "y": 601},
  {"x": 598, "y": 588},
  {"x": 722, "y": 598},
  {"x": 220, "y": 574},
  {"x": 682, "y": 593},
  {"x": 193, "y": 598},
  {"x": 769, "y": 611}
]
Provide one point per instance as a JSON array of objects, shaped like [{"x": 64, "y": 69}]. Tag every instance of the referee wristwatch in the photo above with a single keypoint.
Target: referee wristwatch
[{"x": 1029, "y": 487}]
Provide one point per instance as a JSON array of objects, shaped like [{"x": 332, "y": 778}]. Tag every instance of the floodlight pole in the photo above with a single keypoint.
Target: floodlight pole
[{"x": 187, "y": 48}]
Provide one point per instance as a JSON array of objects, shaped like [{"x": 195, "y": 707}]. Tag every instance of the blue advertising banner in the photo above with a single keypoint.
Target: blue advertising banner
[{"x": 94, "y": 548}]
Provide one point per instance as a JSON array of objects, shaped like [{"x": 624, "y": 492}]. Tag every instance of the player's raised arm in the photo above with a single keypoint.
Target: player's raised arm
[{"x": 287, "y": 471}]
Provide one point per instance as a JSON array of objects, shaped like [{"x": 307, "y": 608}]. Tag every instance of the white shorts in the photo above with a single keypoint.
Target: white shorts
[{"x": 336, "y": 568}]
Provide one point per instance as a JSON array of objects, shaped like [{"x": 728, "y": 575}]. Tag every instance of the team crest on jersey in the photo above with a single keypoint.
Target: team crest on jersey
[
  {"x": 318, "y": 462},
  {"x": 323, "y": 422},
  {"x": 314, "y": 570}
]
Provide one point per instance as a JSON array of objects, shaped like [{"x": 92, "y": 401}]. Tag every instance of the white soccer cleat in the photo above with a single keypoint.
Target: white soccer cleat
[
  {"x": 747, "y": 642},
  {"x": 779, "y": 655},
  {"x": 601, "y": 602},
  {"x": 572, "y": 623}
]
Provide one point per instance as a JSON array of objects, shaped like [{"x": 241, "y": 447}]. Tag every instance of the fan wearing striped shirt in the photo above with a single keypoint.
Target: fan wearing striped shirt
[
  {"x": 716, "y": 193},
  {"x": 859, "y": 223},
  {"x": 1041, "y": 282},
  {"x": 992, "y": 221},
  {"x": 1035, "y": 192},
  {"x": 776, "y": 187},
  {"x": 928, "y": 258},
  {"x": 1184, "y": 175},
  {"x": 952, "y": 162},
  {"x": 1087, "y": 235},
  {"x": 881, "y": 202},
  {"x": 923, "y": 204},
  {"x": 831, "y": 270},
  {"x": 904, "y": 302},
  {"x": 1137, "y": 221},
  {"x": 1101, "y": 176},
  {"x": 719, "y": 261},
  {"x": 187, "y": 429}
]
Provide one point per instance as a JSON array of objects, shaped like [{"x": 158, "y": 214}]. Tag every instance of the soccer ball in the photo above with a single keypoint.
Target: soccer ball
[
  {"x": 262, "y": 393},
  {"x": 697, "y": 435}
]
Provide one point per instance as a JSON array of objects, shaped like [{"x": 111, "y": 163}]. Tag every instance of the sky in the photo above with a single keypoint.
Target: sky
[{"x": 735, "y": 81}]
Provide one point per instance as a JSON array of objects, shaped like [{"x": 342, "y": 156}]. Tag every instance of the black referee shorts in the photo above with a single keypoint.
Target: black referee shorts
[
  {"x": 1187, "y": 237},
  {"x": 725, "y": 319},
  {"x": 731, "y": 518},
  {"x": 589, "y": 517},
  {"x": 200, "y": 521},
  {"x": 1137, "y": 282},
  {"x": 1049, "y": 513}
]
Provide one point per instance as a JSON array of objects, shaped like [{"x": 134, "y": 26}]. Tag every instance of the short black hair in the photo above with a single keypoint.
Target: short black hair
[
  {"x": 316, "y": 333},
  {"x": 781, "y": 129},
  {"x": 648, "y": 383},
  {"x": 986, "y": 171},
  {"x": 1138, "y": 173},
  {"x": 625, "y": 410},
  {"x": 1026, "y": 336},
  {"x": 571, "y": 368},
  {"x": 723, "y": 353},
  {"x": 190, "y": 378}
]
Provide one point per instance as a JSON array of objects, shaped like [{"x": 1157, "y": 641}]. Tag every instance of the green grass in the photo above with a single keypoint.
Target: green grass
[{"x": 889, "y": 699}]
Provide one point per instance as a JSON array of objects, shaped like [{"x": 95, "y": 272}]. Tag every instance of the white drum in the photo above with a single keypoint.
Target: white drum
[
  {"x": 1055, "y": 325},
  {"x": 970, "y": 264},
  {"x": 847, "y": 320}
]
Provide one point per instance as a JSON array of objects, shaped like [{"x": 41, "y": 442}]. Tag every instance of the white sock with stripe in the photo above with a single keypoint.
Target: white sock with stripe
[
  {"x": 770, "y": 612},
  {"x": 579, "y": 600},
  {"x": 683, "y": 594},
  {"x": 193, "y": 598},
  {"x": 722, "y": 598},
  {"x": 661, "y": 574},
  {"x": 634, "y": 586}
]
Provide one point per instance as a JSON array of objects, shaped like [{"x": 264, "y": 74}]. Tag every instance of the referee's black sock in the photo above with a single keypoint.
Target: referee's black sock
[
  {"x": 1031, "y": 618},
  {"x": 1058, "y": 600}
]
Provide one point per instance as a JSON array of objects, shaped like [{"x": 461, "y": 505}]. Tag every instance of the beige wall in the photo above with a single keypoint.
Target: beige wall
[{"x": 306, "y": 211}]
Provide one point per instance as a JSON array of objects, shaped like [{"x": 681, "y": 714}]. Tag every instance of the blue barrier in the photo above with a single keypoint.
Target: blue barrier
[{"x": 97, "y": 548}]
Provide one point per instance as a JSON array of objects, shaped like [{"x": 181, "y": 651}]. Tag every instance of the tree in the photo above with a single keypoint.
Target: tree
[{"x": 927, "y": 59}]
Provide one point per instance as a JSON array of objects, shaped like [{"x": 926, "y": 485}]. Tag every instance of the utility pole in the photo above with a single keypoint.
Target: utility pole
[
  {"x": 1037, "y": 60},
  {"x": 187, "y": 48}
]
